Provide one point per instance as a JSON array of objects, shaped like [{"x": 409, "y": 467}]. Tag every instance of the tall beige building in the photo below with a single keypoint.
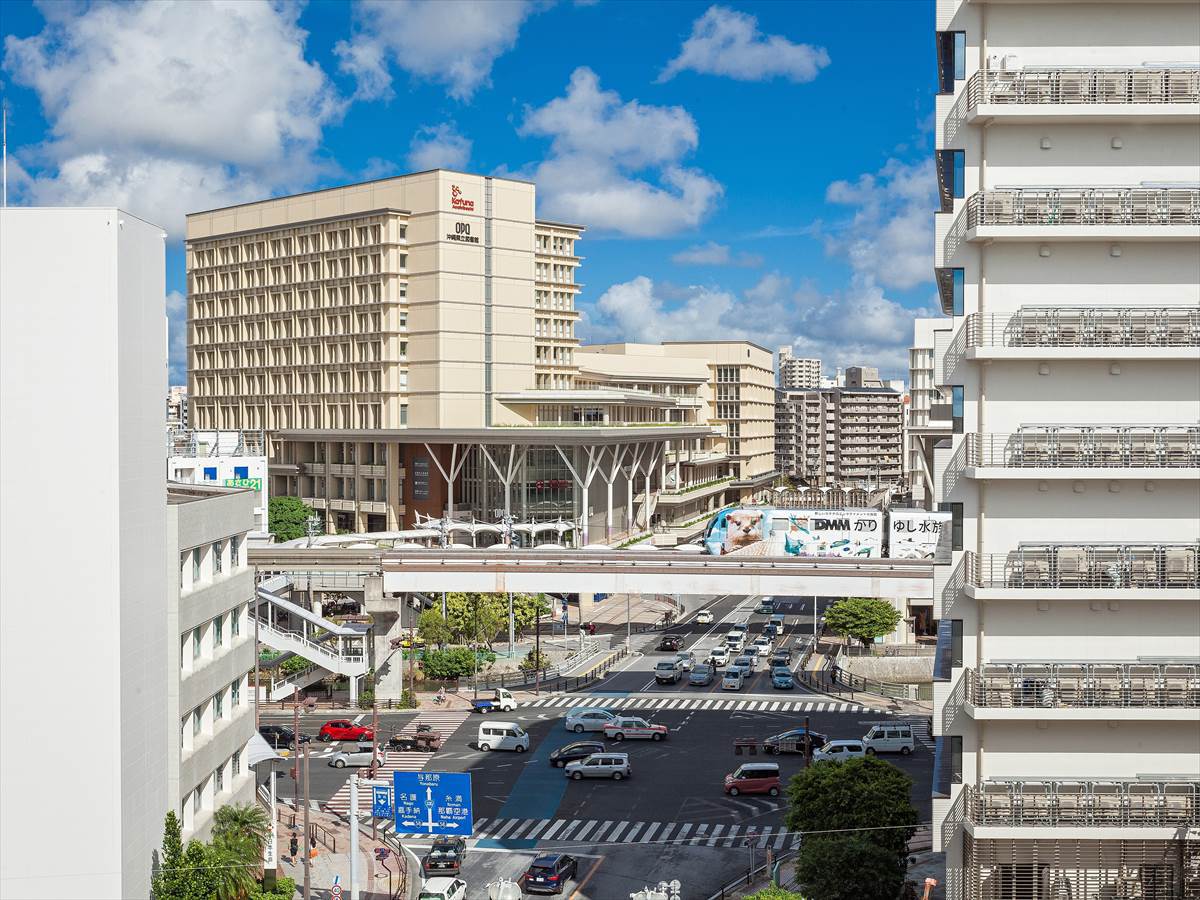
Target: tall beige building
[
  {"x": 408, "y": 345},
  {"x": 841, "y": 435}
]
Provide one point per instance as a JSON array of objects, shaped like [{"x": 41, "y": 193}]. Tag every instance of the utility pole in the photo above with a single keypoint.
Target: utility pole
[
  {"x": 257, "y": 685},
  {"x": 307, "y": 839},
  {"x": 511, "y": 624},
  {"x": 375, "y": 738},
  {"x": 537, "y": 652},
  {"x": 475, "y": 643},
  {"x": 807, "y": 743},
  {"x": 628, "y": 628},
  {"x": 296, "y": 741},
  {"x": 354, "y": 836}
]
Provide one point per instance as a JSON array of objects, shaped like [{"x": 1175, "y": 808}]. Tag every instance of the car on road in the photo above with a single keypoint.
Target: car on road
[
  {"x": 701, "y": 675},
  {"x": 502, "y": 736},
  {"x": 549, "y": 873},
  {"x": 719, "y": 656},
  {"x": 361, "y": 755},
  {"x": 732, "y": 680},
  {"x": 742, "y": 627},
  {"x": 443, "y": 889},
  {"x": 744, "y": 664},
  {"x": 686, "y": 660},
  {"x": 704, "y": 617},
  {"x": 766, "y": 606},
  {"x": 670, "y": 643},
  {"x": 777, "y": 620},
  {"x": 735, "y": 641},
  {"x": 762, "y": 645},
  {"x": 781, "y": 678},
  {"x": 840, "y": 751},
  {"x": 754, "y": 778},
  {"x": 446, "y": 855},
  {"x": 344, "y": 730},
  {"x": 587, "y": 719},
  {"x": 574, "y": 751},
  {"x": 793, "y": 741},
  {"x": 634, "y": 728},
  {"x": 667, "y": 672},
  {"x": 889, "y": 737},
  {"x": 280, "y": 737},
  {"x": 600, "y": 765},
  {"x": 781, "y": 657},
  {"x": 500, "y": 700}
]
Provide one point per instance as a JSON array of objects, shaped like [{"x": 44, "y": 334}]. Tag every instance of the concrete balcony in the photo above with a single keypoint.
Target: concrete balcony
[
  {"x": 1080, "y": 332},
  {"x": 1065, "y": 810},
  {"x": 1027, "y": 95},
  {"x": 1078, "y": 214},
  {"x": 1136, "y": 690},
  {"x": 1167, "y": 452},
  {"x": 1096, "y": 572},
  {"x": 372, "y": 471}
]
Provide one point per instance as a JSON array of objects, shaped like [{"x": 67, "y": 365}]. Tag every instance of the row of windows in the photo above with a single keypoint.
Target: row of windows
[
  {"x": 317, "y": 297},
  {"x": 553, "y": 328},
  {"x": 298, "y": 415},
  {"x": 313, "y": 239},
  {"x": 207, "y": 562},
  {"x": 316, "y": 354},
  {"x": 206, "y": 719},
  {"x": 207, "y": 641},
  {"x": 554, "y": 300},
  {"x": 206, "y": 793},
  {"x": 556, "y": 244}
]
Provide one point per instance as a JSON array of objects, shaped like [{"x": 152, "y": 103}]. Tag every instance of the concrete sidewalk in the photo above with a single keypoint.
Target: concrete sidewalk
[{"x": 332, "y": 866}]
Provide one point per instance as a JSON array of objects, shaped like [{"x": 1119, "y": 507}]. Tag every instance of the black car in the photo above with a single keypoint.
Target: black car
[
  {"x": 578, "y": 750},
  {"x": 446, "y": 855},
  {"x": 550, "y": 873},
  {"x": 280, "y": 737},
  {"x": 793, "y": 741},
  {"x": 670, "y": 642},
  {"x": 781, "y": 658}
]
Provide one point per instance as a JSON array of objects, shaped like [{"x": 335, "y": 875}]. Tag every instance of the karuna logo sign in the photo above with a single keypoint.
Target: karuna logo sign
[{"x": 457, "y": 201}]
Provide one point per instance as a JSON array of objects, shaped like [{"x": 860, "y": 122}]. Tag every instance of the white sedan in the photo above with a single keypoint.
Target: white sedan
[
  {"x": 581, "y": 720},
  {"x": 634, "y": 728},
  {"x": 704, "y": 617},
  {"x": 360, "y": 755}
]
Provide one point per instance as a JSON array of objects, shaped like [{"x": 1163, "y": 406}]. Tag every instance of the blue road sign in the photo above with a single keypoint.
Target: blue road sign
[
  {"x": 433, "y": 803},
  {"x": 381, "y": 802}
]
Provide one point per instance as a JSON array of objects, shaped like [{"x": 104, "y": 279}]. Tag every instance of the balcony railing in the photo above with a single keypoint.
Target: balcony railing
[
  {"x": 1107, "y": 804},
  {"x": 1082, "y": 86},
  {"x": 1086, "y": 326},
  {"x": 1086, "y": 446},
  {"x": 1084, "y": 685},
  {"x": 1088, "y": 566},
  {"x": 1085, "y": 206}
]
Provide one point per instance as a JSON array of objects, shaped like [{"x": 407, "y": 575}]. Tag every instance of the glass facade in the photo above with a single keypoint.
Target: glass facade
[{"x": 542, "y": 490}]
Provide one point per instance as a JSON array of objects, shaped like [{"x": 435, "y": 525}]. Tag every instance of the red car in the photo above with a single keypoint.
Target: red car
[{"x": 344, "y": 730}]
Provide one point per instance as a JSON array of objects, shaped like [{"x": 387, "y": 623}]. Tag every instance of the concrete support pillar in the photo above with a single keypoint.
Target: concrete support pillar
[
  {"x": 354, "y": 679},
  {"x": 678, "y": 453},
  {"x": 629, "y": 479},
  {"x": 647, "y": 504},
  {"x": 608, "y": 513}
]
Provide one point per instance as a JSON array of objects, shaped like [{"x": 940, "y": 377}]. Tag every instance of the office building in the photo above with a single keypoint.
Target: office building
[
  {"x": 797, "y": 373},
  {"x": 102, "y": 654},
  {"x": 210, "y": 645},
  {"x": 222, "y": 458},
  {"x": 177, "y": 406},
  {"x": 840, "y": 436},
  {"x": 408, "y": 347},
  {"x": 1067, "y": 247}
]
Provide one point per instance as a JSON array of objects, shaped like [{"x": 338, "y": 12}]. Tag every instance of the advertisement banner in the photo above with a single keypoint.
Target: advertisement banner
[
  {"x": 254, "y": 484},
  {"x": 915, "y": 533},
  {"x": 828, "y": 532}
]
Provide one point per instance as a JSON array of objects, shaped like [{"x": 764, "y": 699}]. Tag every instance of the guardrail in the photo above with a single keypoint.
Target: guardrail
[
  {"x": 1067, "y": 446},
  {"x": 1084, "y": 206},
  {"x": 894, "y": 690},
  {"x": 1088, "y": 566},
  {"x": 1053, "y": 686},
  {"x": 1117, "y": 804},
  {"x": 1086, "y": 326},
  {"x": 1084, "y": 86}
]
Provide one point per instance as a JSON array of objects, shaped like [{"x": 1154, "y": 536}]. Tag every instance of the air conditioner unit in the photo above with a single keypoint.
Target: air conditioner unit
[
  {"x": 994, "y": 62},
  {"x": 1012, "y": 62}
]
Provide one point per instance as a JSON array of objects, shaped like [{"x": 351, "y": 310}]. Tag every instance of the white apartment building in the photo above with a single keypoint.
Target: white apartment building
[
  {"x": 928, "y": 414},
  {"x": 96, "y": 667},
  {"x": 797, "y": 372},
  {"x": 177, "y": 406},
  {"x": 1067, "y": 702},
  {"x": 210, "y": 644},
  {"x": 226, "y": 458}
]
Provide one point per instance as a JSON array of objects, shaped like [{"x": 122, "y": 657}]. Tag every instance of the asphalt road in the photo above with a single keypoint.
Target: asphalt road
[{"x": 671, "y": 819}]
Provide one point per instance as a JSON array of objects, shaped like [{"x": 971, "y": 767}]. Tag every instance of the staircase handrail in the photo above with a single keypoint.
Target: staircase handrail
[
  {"x": 311, "y": 617},
  {"x": 265, "y": 626}
]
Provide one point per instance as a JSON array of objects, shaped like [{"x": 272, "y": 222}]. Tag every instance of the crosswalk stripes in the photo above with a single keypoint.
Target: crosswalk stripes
[
  {"x": 654, "y": 704},
  {"x": 608, "y": 831},
  {"x": 443, "y": 721}
]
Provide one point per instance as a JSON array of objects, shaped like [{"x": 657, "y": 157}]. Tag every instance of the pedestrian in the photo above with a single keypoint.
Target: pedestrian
[
  {"x": 294, "y": 846},
  {"x": 441, "y": 694}
]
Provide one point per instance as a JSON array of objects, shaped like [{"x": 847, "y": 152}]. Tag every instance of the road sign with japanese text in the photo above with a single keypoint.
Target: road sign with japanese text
[{"x": 433, "y": 803}]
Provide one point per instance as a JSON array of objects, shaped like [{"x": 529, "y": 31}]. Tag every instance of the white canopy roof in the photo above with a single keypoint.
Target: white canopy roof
[{"x": 258, "y": 750}]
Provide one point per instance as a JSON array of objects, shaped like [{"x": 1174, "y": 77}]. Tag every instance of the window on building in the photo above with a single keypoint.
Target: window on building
[
  {"x": 951, "y": 176},
  {"x": 235, "y": 763},
  {"x": 219, "y": 778},
  {"x": 197, "y": 721},
  {"x": 210, "y": 473},
  {"x": 218, "y": 702},
  {"x": 951, "y": 285},
  {"x": 218, "y": 627},
  {"x": 955, "y": 746},
  {"x": 235, "y": 551},
  {"x": 196, "y": 646},
  {"x": 195, "y": 565},
  {"x": 235, "y": 621},
  {"x": 951, "y": 59},
  {"x": 198, "y": 798},
  {"x": 241, "y": 471},
  {"x": 218, "y": 551},
  {"x": 956, "y": 407},
  {"x": 235, "y": 693},
  {"x": 182, "y": 731},
  {"x": 956, "y": 523}
]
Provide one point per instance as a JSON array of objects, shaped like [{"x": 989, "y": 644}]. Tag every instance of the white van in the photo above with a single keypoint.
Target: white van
[
  {"x": 889, "y": 737},
  {"x": 502, "y": 736}
]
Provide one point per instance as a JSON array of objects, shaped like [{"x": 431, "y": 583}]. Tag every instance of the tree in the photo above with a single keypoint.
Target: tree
[
  {"x": 201, "y": 866},
  {"x": 245, "y": 828},
  {"x": 169, "y": 881},
  {"x": 864, "y": 618},
  {"x": 433, "y": 629},
  {"x": 533, "y": 661},
  {"x": 527, "y": 608},
  {"x": 287, "y": 518},
  {"x": 863, "y": 804},
  {"x": 442, "y": 665},
  {"x": 849, "y": 868},
  {"x": 774, "y": 893},
  {"x": 476, "y": 618}
]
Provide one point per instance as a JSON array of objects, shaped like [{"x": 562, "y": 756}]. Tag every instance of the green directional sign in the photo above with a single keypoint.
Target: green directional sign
[{"x": 254, "y": 484}]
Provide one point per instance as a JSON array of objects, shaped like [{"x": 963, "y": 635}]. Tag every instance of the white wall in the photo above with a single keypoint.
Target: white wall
[{"x": 82, "y": 302}]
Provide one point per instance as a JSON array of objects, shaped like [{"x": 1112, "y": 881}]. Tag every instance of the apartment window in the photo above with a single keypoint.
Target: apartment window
[
  {"x": 195, "y": 565},
  {"x": 235, "y": 693},
  {"x": 951, "y": 175},
  {"x": 218, "y": 702},
  {"x": 235, "y": 762},
  {"x": 956, "y": 408},
  {"x": 954, "y": 743},
  {"x": 210, "y": 473},
  {"x": 219, "y": 779},
  {"x": 956, "y": 523},
  {"x": 951, "y": 59},
  {"x": 218, "y": 625},
  {"x": 951, "y": 286},
  {"x": 217, "y": 552},
  {"x": 235, "y": 551},
  {"x": 235, "y": 621},
  {"x": 182, "y": 731},
  {"x": 196, "y": 635},
  {"x": 197, "y": 721}
]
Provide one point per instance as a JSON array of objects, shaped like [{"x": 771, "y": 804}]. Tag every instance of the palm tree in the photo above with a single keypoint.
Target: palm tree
[{"x": 239, "y": 836}]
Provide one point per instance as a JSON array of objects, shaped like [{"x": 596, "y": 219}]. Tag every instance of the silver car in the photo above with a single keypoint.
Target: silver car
[
  {"x": 600, "y": 765},
  {"x": 581, "y": 720},
  {"x": 686, "y": 660},
  {"x": 361, "y": 755}
]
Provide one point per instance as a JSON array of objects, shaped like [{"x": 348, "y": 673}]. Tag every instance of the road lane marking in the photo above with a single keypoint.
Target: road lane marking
[
  {"x": 650, "y": 832},
  {"x": 550, "y": 832},
  {"x": 579, "y": 887},
  {"x": 714, "y": 835},
  {"x": 566, "y": 832},
  {"x": 586, "y": 830},
  {"x": 615, "y": 837},
  {"x": 632, "y": 836}
]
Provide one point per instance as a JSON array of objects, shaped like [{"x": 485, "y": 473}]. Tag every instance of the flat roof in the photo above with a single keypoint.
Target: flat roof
[
  {"x": 182, "y": 492},
  {"x": 750, "y": 343},
  {"x": 563, "y": 435},
  {"x": 354, "y": 184}
]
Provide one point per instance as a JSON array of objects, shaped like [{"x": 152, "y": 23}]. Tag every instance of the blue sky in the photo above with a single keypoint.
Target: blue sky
[{"x": 756, "y": 170}]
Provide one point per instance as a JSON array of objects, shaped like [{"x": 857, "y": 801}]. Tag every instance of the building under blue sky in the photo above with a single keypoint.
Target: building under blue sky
[{"x": 756, "y": 170}]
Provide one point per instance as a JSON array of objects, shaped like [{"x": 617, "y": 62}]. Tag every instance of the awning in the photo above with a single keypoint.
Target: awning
[{"x": 258, "y": 750}]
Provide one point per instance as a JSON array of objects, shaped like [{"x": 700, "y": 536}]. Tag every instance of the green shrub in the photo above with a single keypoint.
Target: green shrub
[
  {"x": 442, "y": 665},
  {"x": 366, "y": 699}
]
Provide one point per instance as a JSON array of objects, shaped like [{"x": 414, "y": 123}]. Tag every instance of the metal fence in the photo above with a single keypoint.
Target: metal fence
[
  {"x": 1086, "y": 326},
  {"x": 1086, "y": 446},
  {"x": 1085, "y": 206},
  {"x": 1083, "y": 86},
  {"x": 1088, "y": 566},
  {"x": 1084, "y": 685},
  {"x": 1113, "y": 804}
]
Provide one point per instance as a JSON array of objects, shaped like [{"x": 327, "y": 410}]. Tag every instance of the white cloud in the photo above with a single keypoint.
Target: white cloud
[
  {"x": 454, "y": 44},
  {"x": 618, "y": 165},
  {"x": 714, "y": 254},
  {"x": 727, "y": 42},
  {"x": 859, "y": 326},
  {"x": 890, "y": 238},
  {"x": 438, "y": 147}
]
